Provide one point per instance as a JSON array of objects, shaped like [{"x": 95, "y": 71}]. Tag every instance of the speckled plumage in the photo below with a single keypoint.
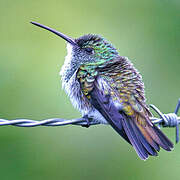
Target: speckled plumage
[
  {"x": 119, "y": 72},
  {"x": 76, "y": 59},
  {"x": 92, "y": 79},
  {"x": 106, "y": 86}
]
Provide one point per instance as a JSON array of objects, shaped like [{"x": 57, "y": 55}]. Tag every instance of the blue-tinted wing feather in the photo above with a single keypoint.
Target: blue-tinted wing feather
[{"x": 127, "y": 127}]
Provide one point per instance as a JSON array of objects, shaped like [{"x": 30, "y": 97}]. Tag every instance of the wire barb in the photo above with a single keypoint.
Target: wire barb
[
  {"x": 168, "y": 120},
  {"x": 165, "y": 120}
]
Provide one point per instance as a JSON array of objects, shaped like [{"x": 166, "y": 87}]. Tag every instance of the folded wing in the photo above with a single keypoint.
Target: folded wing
[{"x": 118, "y": 94}]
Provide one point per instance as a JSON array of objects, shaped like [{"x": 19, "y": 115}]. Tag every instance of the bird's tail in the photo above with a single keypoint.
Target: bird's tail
[{"x": 145, "y": 137}]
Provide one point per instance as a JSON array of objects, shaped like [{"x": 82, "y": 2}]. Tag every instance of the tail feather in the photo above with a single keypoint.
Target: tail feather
[
  {"x": 159, "y": 138},
  {"x": 151, "y": 150},
  {"x": 168, "y": 144},
  {"x": 133, "y": 137},
  {"x": 147, "y": 139}
]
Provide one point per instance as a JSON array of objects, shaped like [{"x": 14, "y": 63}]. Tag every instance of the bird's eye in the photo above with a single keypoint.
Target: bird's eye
[{"x": 89, "y": 50}]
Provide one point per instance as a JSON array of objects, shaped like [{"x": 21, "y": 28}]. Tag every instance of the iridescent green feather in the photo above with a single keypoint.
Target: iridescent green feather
[{"x": 123, "y": 80}]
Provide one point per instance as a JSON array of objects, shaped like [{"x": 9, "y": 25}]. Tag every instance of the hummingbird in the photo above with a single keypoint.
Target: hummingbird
[{"x": 106, "y": 88}]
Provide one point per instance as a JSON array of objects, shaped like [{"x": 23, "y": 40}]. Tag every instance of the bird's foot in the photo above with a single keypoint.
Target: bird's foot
[{"x": 88, "y": 121}]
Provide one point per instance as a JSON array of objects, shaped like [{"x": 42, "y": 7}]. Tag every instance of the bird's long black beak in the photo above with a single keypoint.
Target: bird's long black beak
[{"x": 68, "y": 39}]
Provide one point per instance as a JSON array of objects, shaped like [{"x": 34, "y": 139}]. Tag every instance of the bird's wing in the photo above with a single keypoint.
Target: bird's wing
[{"x": 117, "y": 92}]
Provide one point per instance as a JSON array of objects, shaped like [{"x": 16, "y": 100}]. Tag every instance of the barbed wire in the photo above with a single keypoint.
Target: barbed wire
[{"x": 164, "y": 120}]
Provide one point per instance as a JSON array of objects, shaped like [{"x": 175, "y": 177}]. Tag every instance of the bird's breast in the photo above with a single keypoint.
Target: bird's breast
[{"x": 73, "y": 90}]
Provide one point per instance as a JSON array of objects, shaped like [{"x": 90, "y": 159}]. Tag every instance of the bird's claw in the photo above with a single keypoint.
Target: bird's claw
[{"x": 88, "y": 119}]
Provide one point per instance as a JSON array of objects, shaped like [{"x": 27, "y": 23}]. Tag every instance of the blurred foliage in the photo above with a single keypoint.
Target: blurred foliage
[{"x": 30, "y": 59}]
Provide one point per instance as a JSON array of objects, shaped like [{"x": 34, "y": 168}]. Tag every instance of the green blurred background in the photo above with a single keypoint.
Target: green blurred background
[{"x": 30, "y": 59}]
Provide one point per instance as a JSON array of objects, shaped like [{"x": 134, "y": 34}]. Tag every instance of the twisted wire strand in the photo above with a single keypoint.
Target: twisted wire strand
[
  {"x": 47, "y": 122},
  {"x": 79, "y": 121},
  {"x": 168, "y": 120},
  {"x": 165, "y": 120}
]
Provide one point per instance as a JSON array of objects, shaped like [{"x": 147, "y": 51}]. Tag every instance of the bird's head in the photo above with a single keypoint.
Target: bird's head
[{"x": 86, "y": 49}]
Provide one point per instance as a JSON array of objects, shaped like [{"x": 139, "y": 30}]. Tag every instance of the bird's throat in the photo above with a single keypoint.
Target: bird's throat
[{"x": 68, "y": 68}]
